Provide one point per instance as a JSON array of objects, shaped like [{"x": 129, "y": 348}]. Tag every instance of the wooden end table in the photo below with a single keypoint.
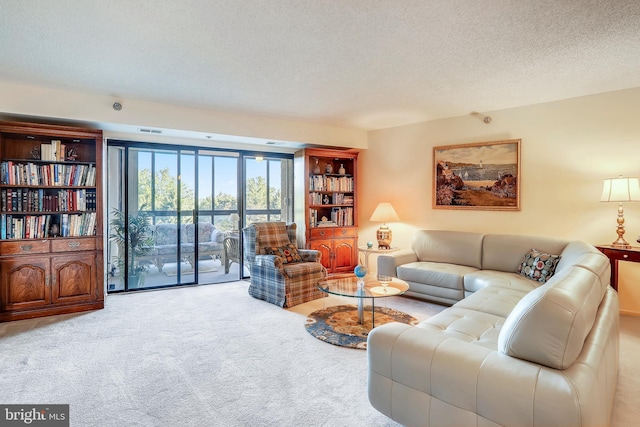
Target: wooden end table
[{"x": 616, "y": 254}]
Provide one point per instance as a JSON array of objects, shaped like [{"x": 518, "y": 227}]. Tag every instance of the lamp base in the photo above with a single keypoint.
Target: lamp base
[
  {"x": 621, "y": 243},
  {"x": 383, "y": 235}
]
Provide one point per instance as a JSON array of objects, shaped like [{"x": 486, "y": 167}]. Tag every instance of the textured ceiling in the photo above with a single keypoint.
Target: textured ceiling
[{"x": 365, "y": 64}]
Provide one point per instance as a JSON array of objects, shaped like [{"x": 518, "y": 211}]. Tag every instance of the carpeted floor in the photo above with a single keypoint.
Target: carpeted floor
[{"x": 211, "y": 356}]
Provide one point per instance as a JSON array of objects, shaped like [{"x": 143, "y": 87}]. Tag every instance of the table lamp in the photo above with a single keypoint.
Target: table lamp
[
  {"x": 384, "y": 213},
  {"x": 620, "y": 190},
  {"x": 234, "y": 218}
]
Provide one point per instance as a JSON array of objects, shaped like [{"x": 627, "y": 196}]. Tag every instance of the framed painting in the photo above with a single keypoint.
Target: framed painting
[{"x": 481, "y": 176}]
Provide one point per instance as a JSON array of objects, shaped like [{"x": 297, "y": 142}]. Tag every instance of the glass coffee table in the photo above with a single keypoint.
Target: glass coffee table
[{"x": 367, "y": 287}]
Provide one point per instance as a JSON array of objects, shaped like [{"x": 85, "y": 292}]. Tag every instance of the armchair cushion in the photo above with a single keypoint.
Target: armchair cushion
[{"x": 288, "y": 253}]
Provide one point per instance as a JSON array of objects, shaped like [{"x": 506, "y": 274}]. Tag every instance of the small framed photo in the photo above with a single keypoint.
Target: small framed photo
[{"x": 477, "y": 176}]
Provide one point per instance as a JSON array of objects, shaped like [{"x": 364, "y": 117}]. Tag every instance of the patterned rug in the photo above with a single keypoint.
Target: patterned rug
[{"x": 338, "y": 325}]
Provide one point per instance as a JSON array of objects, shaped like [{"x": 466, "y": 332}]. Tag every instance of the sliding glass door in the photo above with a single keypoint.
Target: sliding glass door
[{"x": 175, "y": 213}]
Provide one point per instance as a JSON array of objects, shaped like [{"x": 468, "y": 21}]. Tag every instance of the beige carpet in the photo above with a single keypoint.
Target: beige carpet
[{"x": 212, "y": 356}]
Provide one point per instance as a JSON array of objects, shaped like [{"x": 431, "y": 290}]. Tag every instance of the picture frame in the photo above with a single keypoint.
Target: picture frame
[{"x": 477, "y": 176}]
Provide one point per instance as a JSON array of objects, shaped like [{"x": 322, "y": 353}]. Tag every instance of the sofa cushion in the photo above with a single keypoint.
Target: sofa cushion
[
  {"x": 494, "y": 300},
  {"x": 504, "y": 252},
  {"x": 453, "y": 247},
  {"x": 435, "y": 273},
  {"x": 549, "y": 324},
  {"x": 480, "y": 279},
  {"x": 587, "y": 256},
  {"x": 538, "y": 266},
  {"x": 288, "y": 253},
  {"x": 466, "y": 325}
]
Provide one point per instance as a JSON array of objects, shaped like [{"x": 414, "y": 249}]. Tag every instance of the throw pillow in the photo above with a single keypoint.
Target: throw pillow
[
  {"x": 288, "y": 253},
  {"x": 538, "y": 266}
]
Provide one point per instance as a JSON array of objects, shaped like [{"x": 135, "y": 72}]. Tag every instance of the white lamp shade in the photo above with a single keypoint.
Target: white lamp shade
[
  {"x": 384, "y": 213},
  {"x": 234, "y": 217},
  {"x": 620, "y": 190}
]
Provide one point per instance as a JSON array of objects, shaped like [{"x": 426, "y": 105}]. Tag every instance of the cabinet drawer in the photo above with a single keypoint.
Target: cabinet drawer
[
  {"x": 345, "y": 232},
  {"x": 24, "y": 247},
  {"x": 321, "y": 233},
  {"x": 66, "y": 245}
]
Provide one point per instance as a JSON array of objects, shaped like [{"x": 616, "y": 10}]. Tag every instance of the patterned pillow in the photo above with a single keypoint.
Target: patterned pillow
[
  {"x": 538, "y": 266},
  {"x": 288, "y": 253}
]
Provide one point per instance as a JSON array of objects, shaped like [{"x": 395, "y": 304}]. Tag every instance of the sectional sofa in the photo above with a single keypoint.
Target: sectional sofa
[{"x": 530, "y": 340}]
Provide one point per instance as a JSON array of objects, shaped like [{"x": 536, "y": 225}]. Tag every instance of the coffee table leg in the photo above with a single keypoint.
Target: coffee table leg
[
  {"x": 373, "y": 313},
  {"x": 360, "y": 298}
]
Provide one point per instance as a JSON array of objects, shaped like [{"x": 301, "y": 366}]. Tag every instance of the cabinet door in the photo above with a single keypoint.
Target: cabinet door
[
  {"x": 74, "y": 278},
  {"x": 344, "y": 255},
  {"x": 324, "y": 246},
  {"x": 24, "y": 283}
]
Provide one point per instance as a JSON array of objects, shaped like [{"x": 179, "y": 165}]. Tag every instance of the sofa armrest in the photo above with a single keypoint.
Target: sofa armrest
[
  {"x": 422, "y": 376},
  {"x": 387, "y": 263},
  {"x": 309, "y": 255},
  {"x": 271, "y": 261}
]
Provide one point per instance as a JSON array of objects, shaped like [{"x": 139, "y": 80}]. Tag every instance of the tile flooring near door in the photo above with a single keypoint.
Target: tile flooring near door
[{"x": 210, "y": 271}]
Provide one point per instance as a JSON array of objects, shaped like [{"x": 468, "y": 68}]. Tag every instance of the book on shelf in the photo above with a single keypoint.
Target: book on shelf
[{"x": 54, "y": 174}]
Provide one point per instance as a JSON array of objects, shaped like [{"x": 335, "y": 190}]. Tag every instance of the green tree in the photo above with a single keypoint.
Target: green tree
[
  {"x": 165, "y": 194},
  {"x": 257, "y": 194}
]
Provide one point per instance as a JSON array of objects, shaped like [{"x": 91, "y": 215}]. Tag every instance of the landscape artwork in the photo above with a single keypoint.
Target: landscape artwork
[{"x": 483, "y": 175}]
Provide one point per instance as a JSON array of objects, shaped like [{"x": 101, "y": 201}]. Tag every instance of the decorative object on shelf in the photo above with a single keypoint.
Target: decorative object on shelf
[
  {"x": 369, "y": 245},
  {"x": 234, "y": 218},
  {"x": 384, "y": 213},
  {"x": 360, "y": 271},
  {"x": 316, "y": 168},
  {"x": 328, "y": 168},
  {"x": 35, "y": 152},
  {"x": 481, "y": 176},
  {"x": 620, "y": 190},
  {"x": 342, "y": 170},
  {"x": 54, "y": 230},
  {"x": 71, "y": 154},
  {"x": 325, "y": 199}
]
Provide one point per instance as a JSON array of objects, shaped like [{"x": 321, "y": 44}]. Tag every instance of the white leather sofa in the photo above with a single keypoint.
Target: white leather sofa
[{"x": 512, "y": 351}]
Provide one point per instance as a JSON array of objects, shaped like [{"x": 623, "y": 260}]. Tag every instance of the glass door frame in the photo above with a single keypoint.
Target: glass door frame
[{"x": 240, "y": 155}]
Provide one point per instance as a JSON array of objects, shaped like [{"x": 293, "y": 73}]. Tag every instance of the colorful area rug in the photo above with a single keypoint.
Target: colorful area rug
[{"x": 338, "y": 325}]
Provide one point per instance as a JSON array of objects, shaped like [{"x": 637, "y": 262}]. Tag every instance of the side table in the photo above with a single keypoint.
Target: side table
[
  {"x": 368, "y": 251},
  {"x": 616, "y": 254}
]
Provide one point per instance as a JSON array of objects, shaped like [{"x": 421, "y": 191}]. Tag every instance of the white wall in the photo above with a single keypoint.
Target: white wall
[
  {"x": 94, "y": 109},
  {"x": 568, "y": 148}
]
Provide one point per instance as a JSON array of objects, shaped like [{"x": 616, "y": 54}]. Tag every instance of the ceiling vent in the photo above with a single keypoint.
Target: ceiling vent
[{"x": 150, "y": 131}]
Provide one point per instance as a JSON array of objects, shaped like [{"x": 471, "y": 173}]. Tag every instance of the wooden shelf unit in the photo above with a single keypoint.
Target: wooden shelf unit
[
  {"x": 330, "y": 195},
  {"x": 51, "y": 225}
]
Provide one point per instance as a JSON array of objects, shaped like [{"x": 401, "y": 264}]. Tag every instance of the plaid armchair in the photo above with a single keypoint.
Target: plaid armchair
[{"x": 277, "y": 274}]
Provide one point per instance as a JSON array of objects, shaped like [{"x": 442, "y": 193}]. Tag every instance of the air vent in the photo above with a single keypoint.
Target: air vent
[
  {"x": 274, "y": 143},
  {"x": 153, "y": 131}
]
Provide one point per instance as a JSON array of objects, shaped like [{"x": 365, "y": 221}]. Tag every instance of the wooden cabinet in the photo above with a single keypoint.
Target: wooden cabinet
[
  {"x": 326, "y": 206},
  {"x": 51, "y": 236}
]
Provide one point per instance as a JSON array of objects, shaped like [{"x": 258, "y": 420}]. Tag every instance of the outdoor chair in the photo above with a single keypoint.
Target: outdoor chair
[
  {"x": 281, "y": 273},
  {"x": 231, "y": 251}
]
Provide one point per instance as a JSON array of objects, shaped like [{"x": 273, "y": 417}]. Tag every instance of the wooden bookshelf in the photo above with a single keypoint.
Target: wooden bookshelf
[
  {"x": 326, "y": 205},
  {"x": 51, "y": 239}
]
